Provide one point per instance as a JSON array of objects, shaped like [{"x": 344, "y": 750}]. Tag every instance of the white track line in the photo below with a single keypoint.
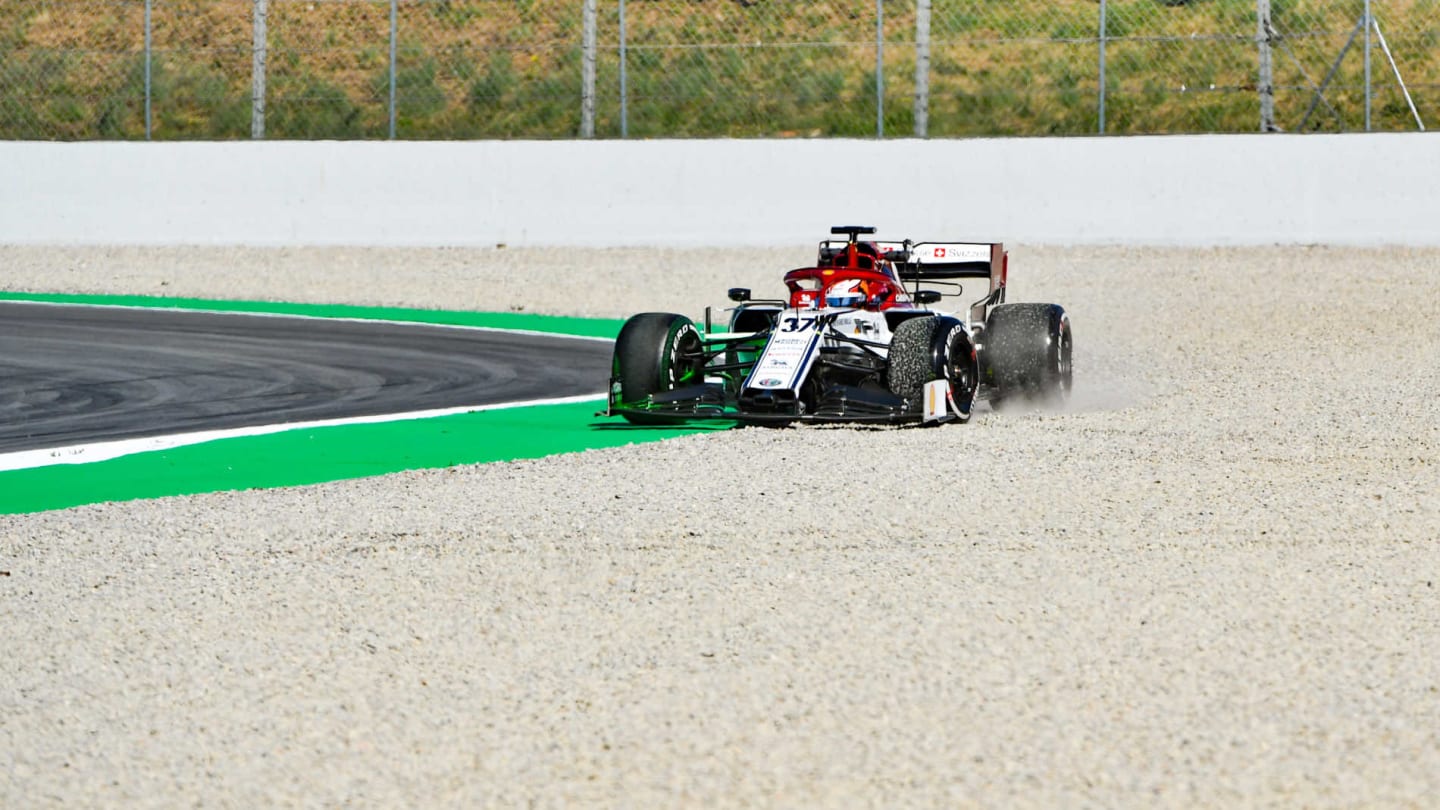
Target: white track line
[{"x": 104, "y": 451}]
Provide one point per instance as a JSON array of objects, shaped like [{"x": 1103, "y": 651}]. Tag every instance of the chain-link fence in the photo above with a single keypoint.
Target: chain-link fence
[{"x": 217, "y": 69}]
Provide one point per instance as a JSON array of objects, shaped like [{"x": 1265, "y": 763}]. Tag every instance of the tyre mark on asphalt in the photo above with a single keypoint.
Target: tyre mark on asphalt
[{"x": 75, "y": 374}]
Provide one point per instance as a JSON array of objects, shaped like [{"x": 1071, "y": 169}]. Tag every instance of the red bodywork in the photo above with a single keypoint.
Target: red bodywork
[{"x": 857, "y": 266}]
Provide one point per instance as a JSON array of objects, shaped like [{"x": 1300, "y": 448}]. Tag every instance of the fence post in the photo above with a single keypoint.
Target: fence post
[
  {"x": 149, "y": 58},
  {"x": 394, "y": 36},
  {"x": 624, "y": 88},
  {"x": 1369, "y": 23},
  {"x": 879, "y": 68},
  {"x": 1266, "y": 79},
  {"x": 257, "y": 74},
  {"x": 587, "y": 73},
  {"x": 1400, "y": 80},
  {"x": 1103, "y": 29},
  {"x": 922, "y": 68}
]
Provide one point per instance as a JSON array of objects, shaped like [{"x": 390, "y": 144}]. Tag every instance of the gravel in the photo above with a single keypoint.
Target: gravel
[{"x": 1212, "y": 580}]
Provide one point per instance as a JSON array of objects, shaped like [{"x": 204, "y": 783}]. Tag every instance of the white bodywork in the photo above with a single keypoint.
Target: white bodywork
[
  {"x": 937, "y": 396},
  {"x": 799, "y": 335}
]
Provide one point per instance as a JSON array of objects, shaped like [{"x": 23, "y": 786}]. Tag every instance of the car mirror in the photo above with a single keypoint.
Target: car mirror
[
  {"x": 739, "y": 294},
  {"x": 927, "y": 297}
]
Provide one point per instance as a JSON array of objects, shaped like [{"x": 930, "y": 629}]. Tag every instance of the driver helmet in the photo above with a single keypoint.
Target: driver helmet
[{"x": 845, "y": 294}]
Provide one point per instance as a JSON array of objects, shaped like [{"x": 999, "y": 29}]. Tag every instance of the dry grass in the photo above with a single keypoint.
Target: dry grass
[{"x": 483, "y": 69}]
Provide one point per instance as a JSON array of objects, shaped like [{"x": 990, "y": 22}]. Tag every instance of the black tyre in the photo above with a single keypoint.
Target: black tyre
[
  {"x": 933, "y": 348},
  {"x": 655, "y": 352},
  {"x": 1027, "y": 353}
]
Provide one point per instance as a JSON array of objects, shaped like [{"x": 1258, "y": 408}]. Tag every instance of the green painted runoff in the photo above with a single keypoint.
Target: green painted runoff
[
  {"x": 316, "y": 455},
  {"x": 311, "y": 456},
  {"x": 585, "y": 327}
]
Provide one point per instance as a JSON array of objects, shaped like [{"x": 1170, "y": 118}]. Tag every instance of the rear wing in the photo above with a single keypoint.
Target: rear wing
[
  {"x": 830, "y": 248},
  {"x": 918, "y": 262}
]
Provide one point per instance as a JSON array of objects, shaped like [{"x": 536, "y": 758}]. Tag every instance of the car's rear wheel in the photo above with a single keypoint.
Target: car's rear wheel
[
  {"x": 933, "y": 348},
  {"x": 1028, "y": 354},
  {"x": 654, "y": 353}
]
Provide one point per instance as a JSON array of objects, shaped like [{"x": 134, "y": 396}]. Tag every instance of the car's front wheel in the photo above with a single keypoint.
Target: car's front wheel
[{"x": 654, "y": 353}]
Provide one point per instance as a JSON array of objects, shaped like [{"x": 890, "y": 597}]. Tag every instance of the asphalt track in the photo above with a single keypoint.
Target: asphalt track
[{"x": 76, "y": 374}]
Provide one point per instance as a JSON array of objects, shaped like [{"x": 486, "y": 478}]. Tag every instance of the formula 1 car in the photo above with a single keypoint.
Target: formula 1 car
[{"x": 850, "y": 344}]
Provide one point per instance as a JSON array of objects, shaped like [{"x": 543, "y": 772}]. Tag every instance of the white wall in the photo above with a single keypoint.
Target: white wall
[{"x": 1176, "y": 190}]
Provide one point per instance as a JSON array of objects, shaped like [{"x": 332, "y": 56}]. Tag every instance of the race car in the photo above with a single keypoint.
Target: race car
[{"x": 851, "y": 343}]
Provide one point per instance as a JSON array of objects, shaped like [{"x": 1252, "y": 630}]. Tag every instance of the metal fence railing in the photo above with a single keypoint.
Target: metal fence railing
[{"x": 467, "y": 69}]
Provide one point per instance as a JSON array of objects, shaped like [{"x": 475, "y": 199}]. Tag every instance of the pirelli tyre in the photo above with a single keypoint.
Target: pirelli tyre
[
  {"x": 1027, "y": 354},
  {"x": 655, "y": 352},
  {"x": 933, "y": 348}
]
